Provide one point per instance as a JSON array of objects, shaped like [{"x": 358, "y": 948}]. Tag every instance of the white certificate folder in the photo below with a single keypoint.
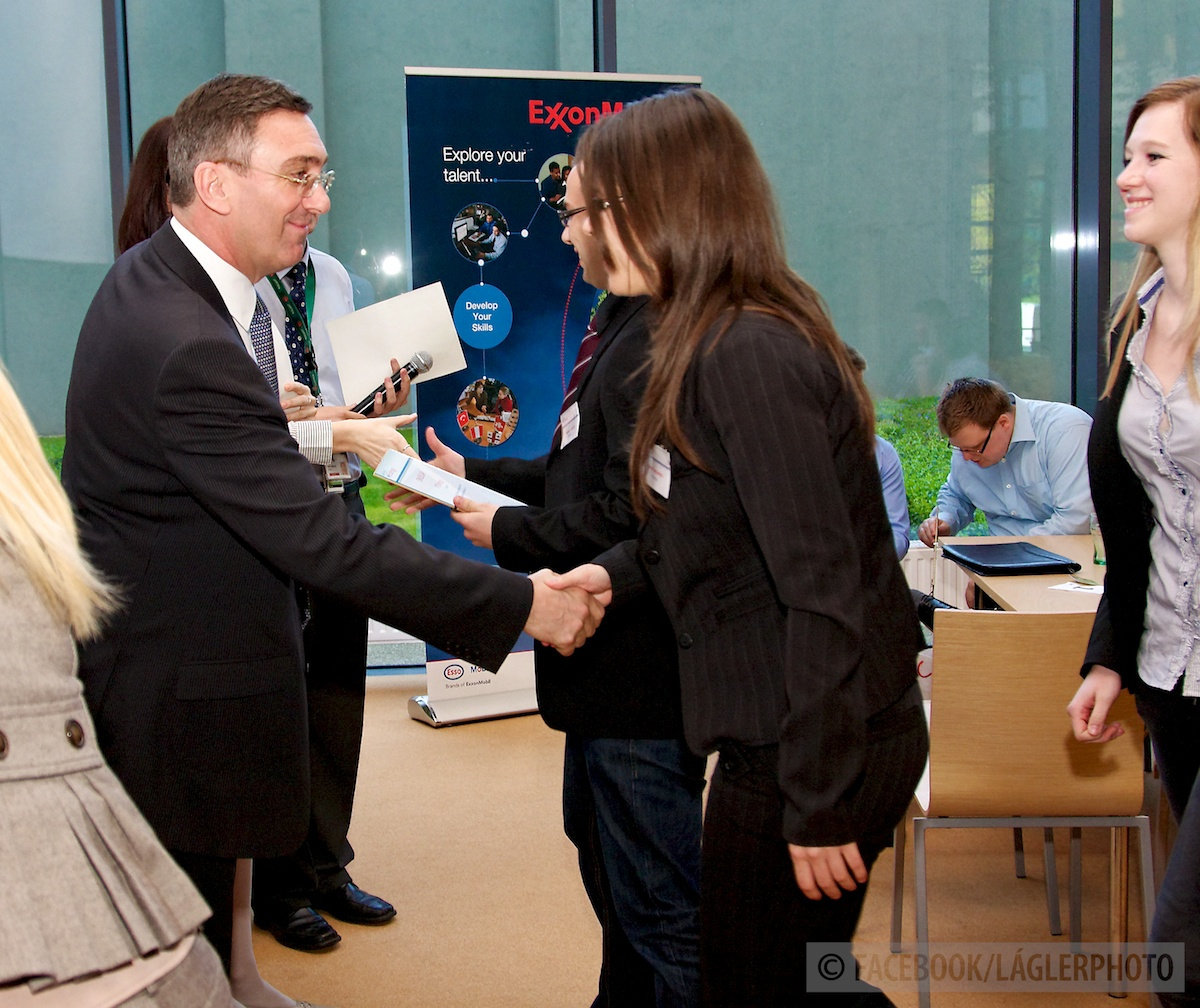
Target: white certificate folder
[
  {"x": 435, "y": 483},
  {"x": 365, "y": 340}
]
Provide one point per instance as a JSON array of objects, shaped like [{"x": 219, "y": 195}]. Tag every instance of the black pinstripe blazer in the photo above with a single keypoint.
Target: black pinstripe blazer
[
  {"x": 776, "y": 565},
  {"x": 623, "y": 683},
  {"x": 194, "y": 501}
]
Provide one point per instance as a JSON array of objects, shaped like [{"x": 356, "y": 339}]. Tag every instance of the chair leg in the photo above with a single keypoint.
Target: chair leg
[
  {"x": 898, "y": 837},
  {"x": 1075, "y": 899},
  {"x": 1019, "y": 851},
  {"x": 1052, "y": 908},
  {"x": 1146, "y": 852},
  {"x": 922, "y": 909},
  {"x": 1118, "y": 898}
]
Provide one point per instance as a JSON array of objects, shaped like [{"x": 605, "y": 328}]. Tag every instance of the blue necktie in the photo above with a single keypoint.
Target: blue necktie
[{"x": 263, "y": 343}]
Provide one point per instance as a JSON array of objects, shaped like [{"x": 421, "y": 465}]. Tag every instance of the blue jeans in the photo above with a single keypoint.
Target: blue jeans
[
  {"x": 632, "y": 808},
  {"x": 1174, "y": 724}
]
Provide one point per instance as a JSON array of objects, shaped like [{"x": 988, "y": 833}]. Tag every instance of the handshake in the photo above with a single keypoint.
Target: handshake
[{"x": 567, "y": 608}]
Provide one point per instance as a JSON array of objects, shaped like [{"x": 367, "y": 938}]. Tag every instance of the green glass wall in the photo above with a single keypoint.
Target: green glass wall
[{"x": 920, "y": 153}]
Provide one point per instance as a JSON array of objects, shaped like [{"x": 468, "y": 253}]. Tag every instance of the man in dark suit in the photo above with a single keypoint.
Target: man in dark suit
[
  {"x": 196, "y": 504},
  {"x": 631, "y": 787}
]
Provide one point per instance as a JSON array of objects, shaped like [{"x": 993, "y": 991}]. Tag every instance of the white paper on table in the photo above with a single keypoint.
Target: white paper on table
[
  {"x": 365, "y": 341},
  {"x": 1075, "y": 586},
  {"x": 435, "y": 483}
]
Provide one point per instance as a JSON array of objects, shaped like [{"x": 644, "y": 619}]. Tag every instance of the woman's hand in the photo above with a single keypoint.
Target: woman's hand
[
  {"x": 371, "y": 438},
  {"x": 828, "y": 871},
  {"x": 1090, "y": 706}
]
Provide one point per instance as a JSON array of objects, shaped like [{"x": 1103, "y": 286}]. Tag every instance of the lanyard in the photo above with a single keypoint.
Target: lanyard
[{"x": 299, "y": 321}]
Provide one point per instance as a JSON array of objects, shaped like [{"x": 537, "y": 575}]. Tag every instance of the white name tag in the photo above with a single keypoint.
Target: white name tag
[
  {"x": 658, "y": 471},
  {"x": 568, "y": 423}
]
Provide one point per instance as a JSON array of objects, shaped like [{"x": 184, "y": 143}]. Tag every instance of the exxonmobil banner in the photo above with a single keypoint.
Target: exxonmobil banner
[{"x": 488, "y": 152}]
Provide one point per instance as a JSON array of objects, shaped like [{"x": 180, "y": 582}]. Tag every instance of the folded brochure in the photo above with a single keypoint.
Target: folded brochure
[{"x": 435, "y": 483}]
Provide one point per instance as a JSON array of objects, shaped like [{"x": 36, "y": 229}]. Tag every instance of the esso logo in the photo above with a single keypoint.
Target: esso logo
[{"x": 454, "y": 672}]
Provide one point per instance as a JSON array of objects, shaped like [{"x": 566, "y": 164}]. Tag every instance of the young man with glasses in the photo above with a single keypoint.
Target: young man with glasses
[{"x": 1022, "y": 462}]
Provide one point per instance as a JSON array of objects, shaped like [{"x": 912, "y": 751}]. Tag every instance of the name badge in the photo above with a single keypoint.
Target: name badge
[
  {"x": 658, "y": 471},
  {"x": 337, "y": 475},
  {"x": 568, "y": 423}
]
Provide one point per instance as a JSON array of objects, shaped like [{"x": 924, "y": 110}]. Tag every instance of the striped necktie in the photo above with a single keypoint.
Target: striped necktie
[{"x": 587, "y": 348}]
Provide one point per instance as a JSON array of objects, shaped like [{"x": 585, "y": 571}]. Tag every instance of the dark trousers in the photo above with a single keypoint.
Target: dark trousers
[
  {"x": 632, "y": 807},
  {"x": 1174, "y": 724},
  {"x": 754, "y": 920},
  {"x": 335, "y": 653},
  {"x": 213, "y": 876}
]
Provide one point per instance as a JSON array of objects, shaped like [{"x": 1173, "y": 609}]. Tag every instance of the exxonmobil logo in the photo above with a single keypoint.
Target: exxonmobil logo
[{"x": 560, "y": 115}]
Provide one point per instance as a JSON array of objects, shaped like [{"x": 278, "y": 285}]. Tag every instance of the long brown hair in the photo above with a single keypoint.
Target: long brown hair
[
  {"x": 693, "y": 208},
  {"x": 1185, "y": 91},
  {"x": 146, "y": 202}
]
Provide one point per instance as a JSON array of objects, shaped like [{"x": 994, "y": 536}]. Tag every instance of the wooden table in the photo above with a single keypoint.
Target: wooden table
[{"x": 1033, "y": 593}]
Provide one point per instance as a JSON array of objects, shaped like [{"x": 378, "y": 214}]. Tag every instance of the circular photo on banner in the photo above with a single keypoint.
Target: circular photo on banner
[
  {"x": 552, "y": 179},
  {"x": 480, "y": 232},
  {"x": 487, "y": 412}
]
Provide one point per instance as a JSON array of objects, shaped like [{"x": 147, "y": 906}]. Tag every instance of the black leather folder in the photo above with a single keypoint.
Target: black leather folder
[{"x": 998, "y": 559}]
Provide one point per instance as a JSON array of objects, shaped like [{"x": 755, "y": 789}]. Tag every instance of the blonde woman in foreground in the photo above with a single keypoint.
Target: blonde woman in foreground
[{"x": 96, "y": 914}]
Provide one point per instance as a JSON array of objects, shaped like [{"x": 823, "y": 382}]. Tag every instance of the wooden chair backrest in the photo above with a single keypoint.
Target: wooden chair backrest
[{"x": 1000, "y": 740}]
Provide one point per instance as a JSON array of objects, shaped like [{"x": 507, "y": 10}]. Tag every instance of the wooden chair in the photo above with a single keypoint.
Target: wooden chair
[{"x": 1002, "y": 753}]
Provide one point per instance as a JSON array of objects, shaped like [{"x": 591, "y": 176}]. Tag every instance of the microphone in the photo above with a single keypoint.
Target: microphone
[{"x": 421, "y": 362}]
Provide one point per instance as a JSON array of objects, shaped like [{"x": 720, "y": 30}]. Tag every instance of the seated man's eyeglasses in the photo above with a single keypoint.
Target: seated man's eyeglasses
[{"x": 982, "y": 448}]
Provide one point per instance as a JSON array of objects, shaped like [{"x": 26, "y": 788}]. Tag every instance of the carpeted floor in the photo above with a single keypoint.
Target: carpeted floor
[{"x": 460, "y": 827}]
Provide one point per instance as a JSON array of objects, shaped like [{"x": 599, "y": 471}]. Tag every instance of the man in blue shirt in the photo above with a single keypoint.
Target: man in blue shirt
[
  {"x": 891, "y": 475},
  {"x": 1022, "y": 462}
]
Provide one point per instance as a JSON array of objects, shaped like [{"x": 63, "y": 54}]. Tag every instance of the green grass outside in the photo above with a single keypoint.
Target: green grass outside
[{"x": 909, "y": 424}]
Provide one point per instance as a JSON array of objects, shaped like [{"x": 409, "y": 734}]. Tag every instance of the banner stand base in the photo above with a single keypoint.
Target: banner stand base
[{"x": 444, "y": 711}]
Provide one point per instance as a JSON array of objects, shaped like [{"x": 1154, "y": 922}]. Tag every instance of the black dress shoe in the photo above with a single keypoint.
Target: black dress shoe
[
  {"x": 304, "y": 930},
  {"x": 349, "y": 903}
]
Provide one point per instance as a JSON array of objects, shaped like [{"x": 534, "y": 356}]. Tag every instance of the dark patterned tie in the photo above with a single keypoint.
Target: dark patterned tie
[
  {"x": 263, "y": 343},
  {"x": 291, "y": 335},
  {"x": 587, "y": 348}
]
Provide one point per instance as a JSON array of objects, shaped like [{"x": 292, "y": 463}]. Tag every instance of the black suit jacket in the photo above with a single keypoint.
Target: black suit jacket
[
  {"x": 776, "y": 565},
  {"x": 1127, "y": 519},
  {"x": 623, "y": 683},
  {"x": 193, "y": 500}
]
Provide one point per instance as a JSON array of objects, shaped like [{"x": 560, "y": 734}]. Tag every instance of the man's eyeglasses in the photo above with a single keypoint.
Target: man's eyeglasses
[
  {"x": 564, "y": 216},
  {"x": 982, "y": 448},
  {"x": 305, "y": 181}
]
